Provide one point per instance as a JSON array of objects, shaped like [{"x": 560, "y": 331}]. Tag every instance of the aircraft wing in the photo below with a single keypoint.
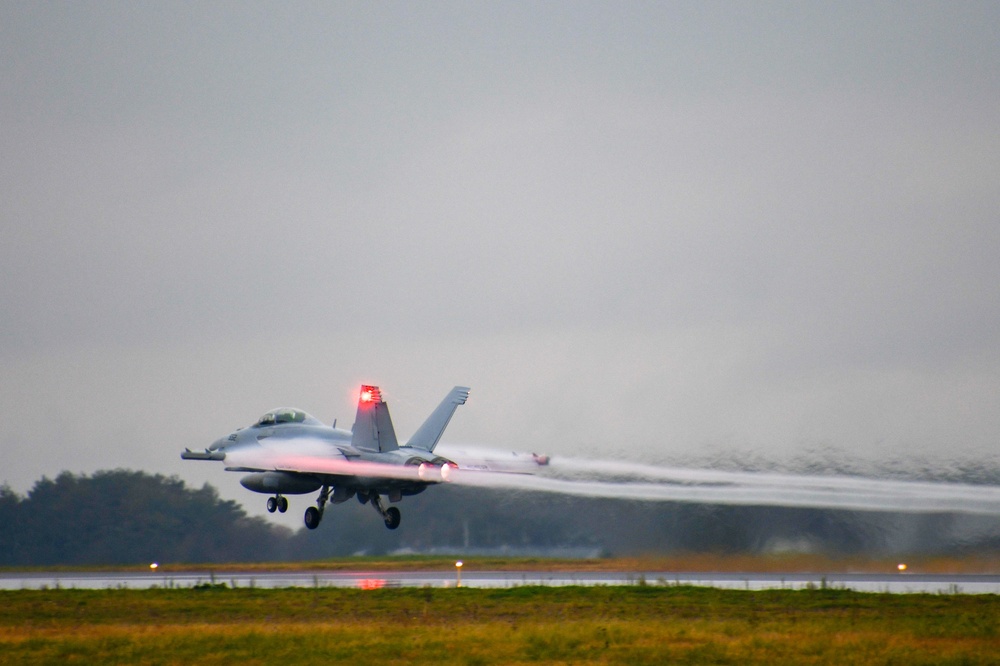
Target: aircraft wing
[{"x": 265, "y": 460}]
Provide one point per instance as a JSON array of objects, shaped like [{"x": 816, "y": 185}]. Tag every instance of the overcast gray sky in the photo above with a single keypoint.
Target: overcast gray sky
[{"x": 655, "y": 230}]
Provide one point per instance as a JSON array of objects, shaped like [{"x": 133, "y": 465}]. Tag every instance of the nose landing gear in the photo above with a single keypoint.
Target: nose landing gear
[{"x": 277, "y": 503}]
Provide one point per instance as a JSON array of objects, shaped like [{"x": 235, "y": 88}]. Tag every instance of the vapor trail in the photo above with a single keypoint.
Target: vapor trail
[
  {"x": 769, "y": 479},
  {"x": 618, "y": 480}
]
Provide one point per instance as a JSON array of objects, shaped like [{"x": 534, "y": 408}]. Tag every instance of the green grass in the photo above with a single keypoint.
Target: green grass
[{"x": 523, "y": 625}]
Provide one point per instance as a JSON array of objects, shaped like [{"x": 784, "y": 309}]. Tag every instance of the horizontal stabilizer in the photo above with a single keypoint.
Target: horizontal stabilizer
[{"x": 427, "y": 436}]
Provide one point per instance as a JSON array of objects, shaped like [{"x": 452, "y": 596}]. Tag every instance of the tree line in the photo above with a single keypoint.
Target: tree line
[{"x": 127, "y": 517}]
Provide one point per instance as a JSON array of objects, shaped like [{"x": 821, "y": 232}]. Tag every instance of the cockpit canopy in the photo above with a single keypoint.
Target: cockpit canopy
[{"x": 285, "y": 415}]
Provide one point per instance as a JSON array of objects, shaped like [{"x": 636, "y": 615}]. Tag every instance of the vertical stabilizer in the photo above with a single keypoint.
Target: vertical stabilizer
[
  {"x": 427, "y": 436},
  {"x": 373, "y": 426}
]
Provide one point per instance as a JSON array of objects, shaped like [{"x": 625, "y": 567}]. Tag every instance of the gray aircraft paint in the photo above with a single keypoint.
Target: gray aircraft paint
[{"x": 287, "y": 451}]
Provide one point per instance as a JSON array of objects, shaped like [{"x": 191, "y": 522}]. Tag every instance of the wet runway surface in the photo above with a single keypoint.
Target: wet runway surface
[{"x": 900, "y": 583}]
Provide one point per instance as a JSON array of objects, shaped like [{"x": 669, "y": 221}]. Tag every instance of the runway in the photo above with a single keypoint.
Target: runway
[{"x": 902, "y": 583}]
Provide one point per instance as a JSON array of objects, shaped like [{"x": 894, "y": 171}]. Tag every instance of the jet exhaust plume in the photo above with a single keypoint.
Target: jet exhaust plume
[{"x": 653, "y": 483}]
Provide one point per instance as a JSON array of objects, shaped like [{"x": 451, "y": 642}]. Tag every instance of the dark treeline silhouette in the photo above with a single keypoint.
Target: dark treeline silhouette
[{"x": 126, "y": 517}]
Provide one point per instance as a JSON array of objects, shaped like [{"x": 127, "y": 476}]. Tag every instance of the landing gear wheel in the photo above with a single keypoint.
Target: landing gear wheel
[
  {"x": 282, "y": 504},
  {"x": 392, "y": 517},
  {"x": 313, "y": 517},
  {"x": 272, "y": 504}
]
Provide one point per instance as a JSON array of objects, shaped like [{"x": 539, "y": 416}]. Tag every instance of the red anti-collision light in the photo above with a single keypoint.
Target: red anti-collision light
[{"x": 370, "y": 394}]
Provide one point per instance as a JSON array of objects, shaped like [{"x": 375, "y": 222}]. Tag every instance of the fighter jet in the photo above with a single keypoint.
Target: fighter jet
[{"x": 288, "y": 452}]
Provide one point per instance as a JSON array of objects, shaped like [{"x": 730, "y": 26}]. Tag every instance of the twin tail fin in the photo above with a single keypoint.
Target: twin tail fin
[{"x": 373, "y": 430}]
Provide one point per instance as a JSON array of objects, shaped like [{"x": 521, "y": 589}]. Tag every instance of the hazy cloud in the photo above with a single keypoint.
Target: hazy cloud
[{"x": 639, "y": 228}]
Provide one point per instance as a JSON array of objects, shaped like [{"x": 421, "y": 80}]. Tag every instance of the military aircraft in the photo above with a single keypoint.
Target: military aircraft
[{"x": 288, "y": 452}]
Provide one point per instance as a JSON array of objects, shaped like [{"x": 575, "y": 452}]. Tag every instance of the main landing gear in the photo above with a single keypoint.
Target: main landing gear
[
  {"x": 390, "y": 515},
  {"x": 277, "y": 503},
  {"x": 314, "y": 514}
]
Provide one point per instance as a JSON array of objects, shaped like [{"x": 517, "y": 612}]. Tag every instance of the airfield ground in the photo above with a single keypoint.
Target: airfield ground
[
  {"x": 639, "y": 624},
  {"x": 987, "y": 563}
]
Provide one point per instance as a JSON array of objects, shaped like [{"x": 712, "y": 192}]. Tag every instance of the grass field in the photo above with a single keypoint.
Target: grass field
[{"x": 649, "y": 624}]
